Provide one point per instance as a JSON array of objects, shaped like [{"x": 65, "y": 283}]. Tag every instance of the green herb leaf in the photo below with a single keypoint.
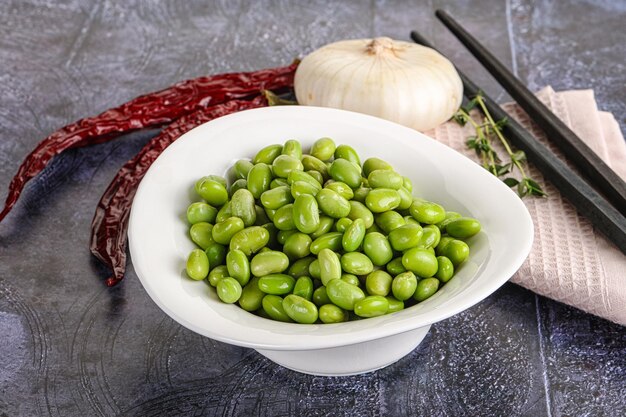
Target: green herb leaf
[{"x": 511, "y": 182}]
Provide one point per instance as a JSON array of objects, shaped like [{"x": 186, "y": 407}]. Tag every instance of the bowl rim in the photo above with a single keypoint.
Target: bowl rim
[{"x": 328, "y": 338}]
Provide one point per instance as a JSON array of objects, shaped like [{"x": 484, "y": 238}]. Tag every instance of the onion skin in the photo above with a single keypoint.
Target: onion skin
[{"x": 399, "y": 81}]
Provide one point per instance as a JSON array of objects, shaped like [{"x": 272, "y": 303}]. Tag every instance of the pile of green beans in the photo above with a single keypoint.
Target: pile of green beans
[{"x": 320, "y": 237}]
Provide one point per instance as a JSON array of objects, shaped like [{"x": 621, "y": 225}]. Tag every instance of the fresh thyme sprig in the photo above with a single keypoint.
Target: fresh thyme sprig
[{"x": 481, "y": 143}]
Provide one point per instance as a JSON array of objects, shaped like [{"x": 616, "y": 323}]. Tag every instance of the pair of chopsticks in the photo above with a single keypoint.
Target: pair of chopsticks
[{"x": 606, "y": 214}]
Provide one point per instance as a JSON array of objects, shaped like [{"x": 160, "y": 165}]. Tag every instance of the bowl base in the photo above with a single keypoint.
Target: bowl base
[{"x": 352, "y": 359}]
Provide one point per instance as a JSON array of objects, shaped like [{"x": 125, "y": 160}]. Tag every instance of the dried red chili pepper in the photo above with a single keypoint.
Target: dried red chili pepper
[
  {"x": 150, "y": 110},
  {"x": 110, "y": 222}
]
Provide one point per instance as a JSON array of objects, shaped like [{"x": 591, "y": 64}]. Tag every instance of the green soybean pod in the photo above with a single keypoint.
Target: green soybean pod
[
  {"x": 344, "y": 295},
  {"x": 353, "y": 236},
  {"x": 292, "y": 148},
  {"x": 395, "y": 267},
  {"x": 241, "y": 168},
  {"x": 463, "y": 227},
  {"x": 273, "y": 307},
  {"x": 197, "y": 265},
  {"x": 202, "y": 234},
  {"x": 351, "y": 279},
  {"x": 317, "y": 175},
  {"x": 284, "y": 164},
  {"x": 311, "y": 163},
  {"x": 314, "y": 269},
  {"x": 450, "y": 215},
  {"x": 426, "y": 288},
  {"x": 332, "y": 204},
  {"x": 216, "y": 254},
  {"x": 377, "y": 248},
  {"x": 251, "y": 296},
  {"x": 266, "y": 263},
  {"x": 406, "y": 199},
  {"x": 276, "y": 198},
  {"x": 405, "y": 237},
  {"x": 330, "y": 241},
  {"x": 242, "y": 206},
  {"x": 342, "y": 189},
  {"x": 360, "y": 211},
  {"x": 330, "y": 266},
  {"x": 348, "y": 153},
  {"x": 371, "y": 306},
  {"x": 346, "y": 172},
  {"x": 457, "y": 251},
  {"x": 378, "y": 283},
  {"x": 224, "y": 213},
  {"x": 343, "y": 224},
  {"x": 277, "y": 284},
  {"x": 283, "y": 218},
  {"x": 330, "y": 313},
  {"x": 304, "y": 288},
  {"x": 320, "y": 296},
  {"x": 259, "y": 179},
  {"x": 394, "y": 305},
  {"x": 430, "y": 236},
  {"x": 389, "y": 220},
  {"x": 283, "y": 235},
  {"x": 404, "y": 285},
  {"x": 445, "y": 269},
  {"x": 201, "y": 212},
  {"x": 300, "y": 309},
  {"x": 384, "y": 178},
  {"x": 323, "y": 149},
  {"x": 300, "y": 268},
  {"x": 326, "y": 225},
  {"x": 373, "y": 164},
  {"x": 278, "y": 182},
  {"x": 306, "y": 215},
  {"x": 229, "y": 290},
  {"x": 420, "y": 261},
  {"x": 213, "y": 192},
  {"x": 224, "y": 231},
  {"x": 237, "y": 185},
  {"x": 356, "y": 263},
  {"x": 382, "y": 199},
  {"x": 216, "y": 274},
  {"x": 360, "y": 194},
  {"x": 238, "y": 266},
  {"x": 267, "y": 154},
  {"x": 297, "y": 246},
  {"x": 427, "y": 212},
  {"x": 302, "y": 187}
]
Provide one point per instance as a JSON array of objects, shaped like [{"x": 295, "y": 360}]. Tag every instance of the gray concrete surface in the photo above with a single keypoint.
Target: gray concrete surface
[{"x": 71, "y": 347}]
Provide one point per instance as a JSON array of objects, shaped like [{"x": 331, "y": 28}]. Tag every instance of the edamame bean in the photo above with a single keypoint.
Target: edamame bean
[
  {"x": 241, "y": 168},
  {"x": 371, "y": 306},
  {"x": 406, "y": 183},
  {"x": 443, "y": 242},
  {"x": 216, "y": 254},
  {"x": 237, "y": 185},
  {"x": 292, "y": 148},
  {"x": 306, "y": 216},
  {"x": 213, "y": 192},
  {"x": 378, "y": 283},
  {"x": 457, "y": 251},
  {"x": 373, "y": 164},
  {"x": 311, "y": 163},
  {"x": 284, "y": 164},
  {"x": 389, "y": 220},
  {"x": 382, "y": 199},
  {"x": 277, "y": 284},
  {"x": 284, "y": 234},
  {"x": 332, "y": 204},
  {"x": 395, "y": 267},
  {"x": 344, "y": 295},
  {"x": 450, "y": 215},
  {"x": 197, "y": 265},
  {"x": 445, "y": 269},
  {"x": 320, "y": 296},
  {"x": 299, "y": 309},
  {"x": 266, "y": 263},
  {"x": 427, "y": 212},
  {"x": 295, "y": 176},
  {"x": 201, "y": 212},
  {"x": 406, "y": 199},
  {"x": 318, "y": 176},
  {"x": 430, "y": 237},
  {"x": 326, "y": 225},
  {"x": 297, "y": 246},
  {"x": 420, "y": 261},
  {"x": 323, "y": 149},
  {"x": 304, "y": 288},
  {"x": 426, "y": 288},
  {"x": 224, "y": 231},
  {"x": 330, "y": 241},
  {"x": 330, "y": 313},
  {"x": 384, "y": 178},
  {"x": 351, "y": 279},
  {"x": 394, "y": 305},
  {"x": 283, "y": 218},
  {"x": 276, "y": 198},
  {"x": 353, "y": 236},
  {"x": 404, "y": 285},
  {"x": 405, "y": 237},
  {"x": 216, "y": 274},
  {"x": 302, "y": 187},
  {"x": 229, "y": 290},
  {"x": 278, "y": 182},
  {"x": 273, "y": 307},
  {"x": 359, "y": 211},
  {"x": 377, "y": 248},
  {"x": 346, "y": 172},
  {"x": 463, "y": 227},
  {"x": 267, "y": 155},
  {"x": 348, "y": 153},
  {"x": 217, "y": 178},
  {"x": 361, "y": 193},
  {"x": 273, "y": 233},
  {"x": 343, "y": 224},
  {"x": 300, "y": 267},
  {"x": 330, "y": 266},
  {"x": 259, "y": 179},
  {"x": 374, "y": 229},
  {"x": 342, "y": 189},
  {"x": 251, "y": 296},
  {"x": 261, "y": 216},
  {"x": 238, "y": 266},
  {"x": 202, "y": 234},
  {"x": 242, "y": 206},
  {"x": 356, "y": 263},
  {"x": 314, "y": 269},
  {"x": 224, "y": 213}
]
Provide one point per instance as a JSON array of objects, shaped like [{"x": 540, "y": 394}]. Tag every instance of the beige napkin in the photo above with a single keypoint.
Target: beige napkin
[{"x": 569, "y": 262}]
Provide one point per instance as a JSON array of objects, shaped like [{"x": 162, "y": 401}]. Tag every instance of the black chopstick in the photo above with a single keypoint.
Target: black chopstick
[
  {"x": 587, "y": 200},
  {"x": 591, "y": 166}
]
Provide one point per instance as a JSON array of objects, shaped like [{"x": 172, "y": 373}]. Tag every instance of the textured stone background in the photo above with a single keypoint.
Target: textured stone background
[{"x": 71, "y": 347}]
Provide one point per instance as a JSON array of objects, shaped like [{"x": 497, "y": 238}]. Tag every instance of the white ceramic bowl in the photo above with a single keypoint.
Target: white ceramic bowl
[{"x": 159, "y": 243}]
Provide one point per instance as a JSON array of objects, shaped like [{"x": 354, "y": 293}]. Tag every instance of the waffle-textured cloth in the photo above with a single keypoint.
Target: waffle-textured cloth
[{"x": 569, "y": 262}]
